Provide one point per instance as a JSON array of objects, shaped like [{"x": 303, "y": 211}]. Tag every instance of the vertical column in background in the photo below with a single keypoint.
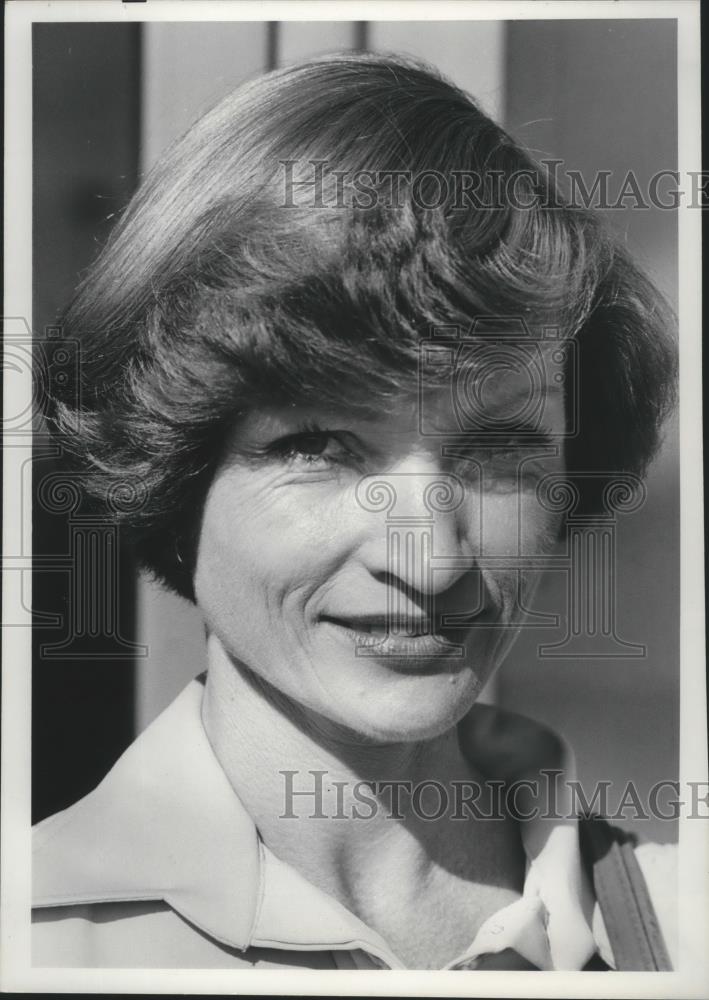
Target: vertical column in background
[
  {"x": 470, "y": 53},
  {"x": 188, "y": 67},
  {"x": 298, "y": 40}
]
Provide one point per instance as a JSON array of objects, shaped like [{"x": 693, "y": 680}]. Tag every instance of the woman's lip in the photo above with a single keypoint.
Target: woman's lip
[
  {"x": 383, "y": 626},
  {"x": 427, "y": 645},
  {"x": 403, "y": 625}
]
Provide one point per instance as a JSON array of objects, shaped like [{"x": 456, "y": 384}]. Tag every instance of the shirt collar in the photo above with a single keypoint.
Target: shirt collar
[{"x": 166, "y": 824}]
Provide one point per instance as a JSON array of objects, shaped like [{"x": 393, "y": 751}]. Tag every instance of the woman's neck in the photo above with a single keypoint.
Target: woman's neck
[{"x": 302, "y": 778}]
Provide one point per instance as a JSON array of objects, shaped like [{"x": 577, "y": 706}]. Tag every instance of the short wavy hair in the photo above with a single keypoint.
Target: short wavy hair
[{"x": 228, "y": 283}]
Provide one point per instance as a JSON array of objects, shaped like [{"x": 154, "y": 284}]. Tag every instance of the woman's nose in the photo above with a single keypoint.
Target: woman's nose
[{"x": 419, "y": 520}]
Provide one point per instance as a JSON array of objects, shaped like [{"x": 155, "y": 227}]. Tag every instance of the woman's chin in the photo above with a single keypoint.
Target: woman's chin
[{"x": 414, "y": 711}]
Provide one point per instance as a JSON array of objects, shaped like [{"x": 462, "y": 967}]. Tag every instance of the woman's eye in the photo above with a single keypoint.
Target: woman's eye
[
  {"x": 319, "y": 448},
  {"x": 510, "y": 460}
]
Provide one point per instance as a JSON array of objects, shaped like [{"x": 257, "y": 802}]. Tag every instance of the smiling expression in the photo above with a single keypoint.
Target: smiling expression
[{"x": 332, "y": 566}]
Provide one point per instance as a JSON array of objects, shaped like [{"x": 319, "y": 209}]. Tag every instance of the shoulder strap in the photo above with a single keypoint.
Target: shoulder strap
[{"x": 628, "y": 914}]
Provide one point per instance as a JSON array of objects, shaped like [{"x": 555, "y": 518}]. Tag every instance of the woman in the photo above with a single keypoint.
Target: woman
[{"x": 340, "y": 348}]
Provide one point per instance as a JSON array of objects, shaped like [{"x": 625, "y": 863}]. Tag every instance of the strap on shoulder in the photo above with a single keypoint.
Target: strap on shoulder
[{"x": 619, "y": 884}]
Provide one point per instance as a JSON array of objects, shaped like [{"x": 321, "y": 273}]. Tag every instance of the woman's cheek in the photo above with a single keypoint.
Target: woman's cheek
[
  {"x": 515, "y": 524},
  {"x": 514, "y": 528},
  {"x": 270, "y": 535}
]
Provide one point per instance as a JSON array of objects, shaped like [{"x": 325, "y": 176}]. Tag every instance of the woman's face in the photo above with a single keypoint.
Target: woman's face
[{"x": 341, "y": 594}]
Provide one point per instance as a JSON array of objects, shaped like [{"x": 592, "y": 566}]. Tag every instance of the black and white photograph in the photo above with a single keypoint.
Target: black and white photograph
[{"x": 353, "y": 583}]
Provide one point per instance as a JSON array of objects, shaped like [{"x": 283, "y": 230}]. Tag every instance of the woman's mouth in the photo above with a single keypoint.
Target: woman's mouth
[{"x": 401, "y": 638}]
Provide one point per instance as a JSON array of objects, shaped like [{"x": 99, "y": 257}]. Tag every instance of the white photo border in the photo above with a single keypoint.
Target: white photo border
[{"x": 17, "y": 973}]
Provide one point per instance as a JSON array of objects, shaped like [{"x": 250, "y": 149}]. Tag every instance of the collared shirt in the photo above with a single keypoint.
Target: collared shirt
[{"x": 161, "y": 866}]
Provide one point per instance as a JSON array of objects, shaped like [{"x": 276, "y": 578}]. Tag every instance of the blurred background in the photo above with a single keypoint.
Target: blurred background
[{"x": 108, "y": 98}]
